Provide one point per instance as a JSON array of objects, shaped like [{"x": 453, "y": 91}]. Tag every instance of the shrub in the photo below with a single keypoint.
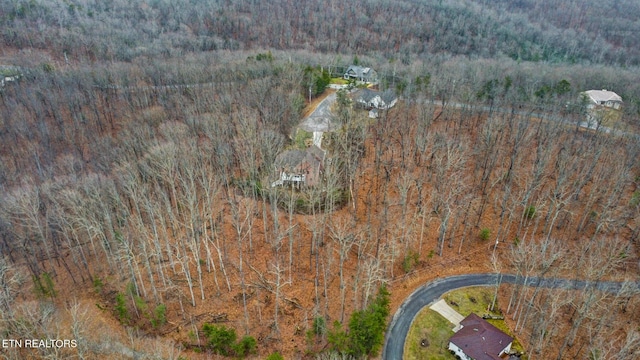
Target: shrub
[
  {"x": 247, "y": 345},
  {"x": 159, "y": 316},
  {"x": 410, "y": 261},
  {"x": 222, "y": 340},
  {"x": 319, "y": 326},
  {"x": 484, "y": 234},
  {"x": 275, "y": 356},
  {"x": 43, "y": 285},
  {"x": 338, "y": 338},
  {"x": 219, "y": 338},
  {"x": 48, "y": 68},
  {"x": 98, "y": 285},
  {"x": 367, "y": 327},
  {"x": 121, "y": 307},
  {"x": 530, "y": 212}
]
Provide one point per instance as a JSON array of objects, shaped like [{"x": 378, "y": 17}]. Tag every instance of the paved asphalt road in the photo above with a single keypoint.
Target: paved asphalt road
[{"x": 428, "y": 293}]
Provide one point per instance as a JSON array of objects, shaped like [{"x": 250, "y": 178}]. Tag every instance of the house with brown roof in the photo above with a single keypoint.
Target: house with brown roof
[
  {"x": 478, "y": 340},
  {"x": 299, "y": 167}
]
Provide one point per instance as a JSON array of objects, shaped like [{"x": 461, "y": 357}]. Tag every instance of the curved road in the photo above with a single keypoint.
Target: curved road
[{"x": 428, "y": 293}]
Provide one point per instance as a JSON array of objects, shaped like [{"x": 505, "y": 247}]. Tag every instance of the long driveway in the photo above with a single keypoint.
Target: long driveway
[
  {"x": 428, "y": 293},
  {"x": 321, "y": 119}
]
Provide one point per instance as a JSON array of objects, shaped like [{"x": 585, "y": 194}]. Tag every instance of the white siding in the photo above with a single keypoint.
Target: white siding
[{"x": 458, "y": 351}]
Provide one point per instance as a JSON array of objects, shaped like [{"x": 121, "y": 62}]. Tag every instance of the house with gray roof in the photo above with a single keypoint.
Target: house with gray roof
[
  {"x": 479, "y": 340},
  {"x": 371, "y": 99},
  {"x": 602, "y": 108},
  {"x": 603, "y": 98},
  {"x": 361, "y": 74}
]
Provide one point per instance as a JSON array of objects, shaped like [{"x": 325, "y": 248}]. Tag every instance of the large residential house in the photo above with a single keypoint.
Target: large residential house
[
  {"x": 361, "y": 74},
  {"x": 479, "y": 340},
  {"x": 602, "y": 108},
  {"x": 603, "y": 98},
  {"x": 299, "y": 167},
  {"x": 370, "y": 99}
]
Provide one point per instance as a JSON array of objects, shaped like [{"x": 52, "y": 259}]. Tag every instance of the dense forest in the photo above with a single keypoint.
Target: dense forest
[
  {"x": 589, "y": 31},
  {"x": 139, "y": 141}
]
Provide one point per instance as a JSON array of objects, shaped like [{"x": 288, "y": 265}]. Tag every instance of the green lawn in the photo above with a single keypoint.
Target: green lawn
[
  {"x": 478, "y": 300},
  {"x": 471, "y": 300},
  {"x": 339, "y": 81},
  {"x": 437, "y": 330}
]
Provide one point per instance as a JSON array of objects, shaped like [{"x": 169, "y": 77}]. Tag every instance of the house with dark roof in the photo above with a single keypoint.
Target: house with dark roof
[
  {"x": 360, "y": 73},
  {"x": 299, "y": 167},
  {"x": 478, "y": 340},
  {"x": 371, "y": 99}
]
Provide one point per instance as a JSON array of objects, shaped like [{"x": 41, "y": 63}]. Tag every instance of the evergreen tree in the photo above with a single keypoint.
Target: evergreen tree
[{"x": 367, "y": 327}]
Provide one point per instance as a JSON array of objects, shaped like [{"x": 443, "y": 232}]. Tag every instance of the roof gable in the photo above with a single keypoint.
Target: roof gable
[
  {"x": 290, "y": 159},
  {"x": 294, "y": 160},
  {"x": 388, "y": 96},
  {"x": 479, "y": 339},
  {"x": 365, "y": 95},
  {"x": 598, "y": 96},
  {"x": 360, "y": 72}
]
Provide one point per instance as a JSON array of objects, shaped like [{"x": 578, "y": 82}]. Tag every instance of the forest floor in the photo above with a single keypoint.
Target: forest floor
[{"x": 300, "y": 300}]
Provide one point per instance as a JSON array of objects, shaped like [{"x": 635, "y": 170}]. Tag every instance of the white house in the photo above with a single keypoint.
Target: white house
[
  {"x": 603, "y": 98},
  {"x": 479, "y": 340},
  {"x": 601, "y": 108}
]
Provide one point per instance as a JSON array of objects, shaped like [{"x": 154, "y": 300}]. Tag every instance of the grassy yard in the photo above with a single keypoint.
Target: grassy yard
[
  {"x": 431, "y": 326},
  {"x": 477, "y": 300},
  {"x": 471, "y": 300},
  {"x": 339, "y": 81},
  {"x": 436, "y": 330}
]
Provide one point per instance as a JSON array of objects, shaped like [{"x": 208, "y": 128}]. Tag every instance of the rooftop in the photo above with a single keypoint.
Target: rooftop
[
  {"x": 598, "y": 96},
  {"x": 479, "y": 339}
]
